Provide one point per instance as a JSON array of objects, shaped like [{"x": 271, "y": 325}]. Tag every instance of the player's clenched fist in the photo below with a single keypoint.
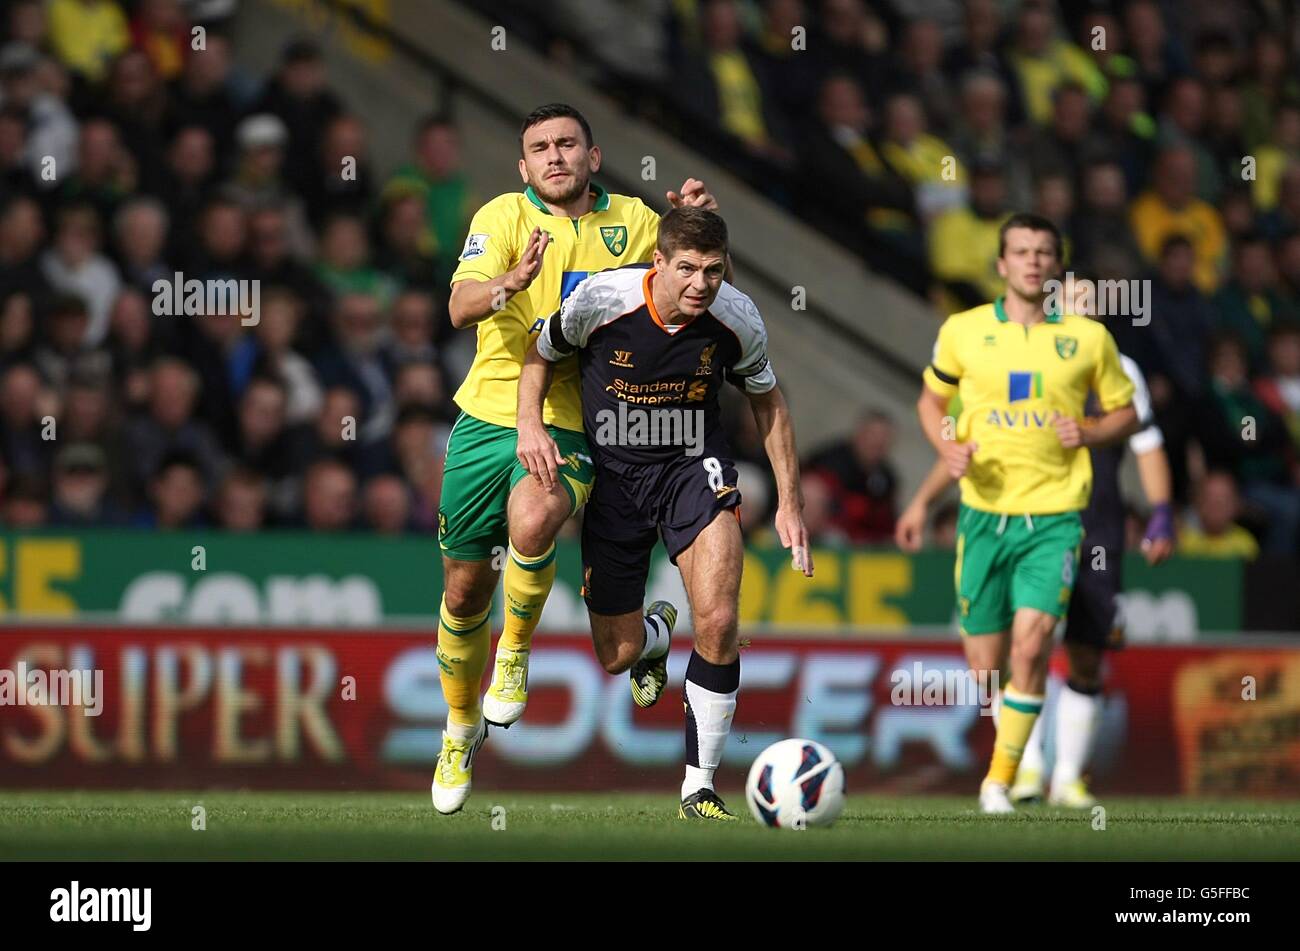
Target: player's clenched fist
[
  {"x": 794, "y": 536},
  {"x": 956, "y": 455},
  {"x": 537, "y": 451},
  {"x": 1158, "y": 539},
  {"x": 1068, "y": 431},
  {"x": 909, "y": 530},
  {"x": 530, "y": 265}
]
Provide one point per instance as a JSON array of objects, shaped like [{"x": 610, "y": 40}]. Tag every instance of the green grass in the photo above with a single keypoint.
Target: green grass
[{"x": 317, "y": 825}]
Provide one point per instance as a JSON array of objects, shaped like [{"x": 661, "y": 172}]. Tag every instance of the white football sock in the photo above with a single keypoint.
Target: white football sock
[
  {"x": 656, "y": 637},
  {"x": 708, "y": 719},
  {"x": 1076, "y": 725},
  {"x": 696, "y": 779}
]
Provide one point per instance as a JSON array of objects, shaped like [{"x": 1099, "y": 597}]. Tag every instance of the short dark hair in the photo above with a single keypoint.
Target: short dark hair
[
  {"x": 1027, "y": 219},
  {"x": 301, "y": 49},
  {"x": 68, "y": 305},
  {"x": 266, "y": 378},
  {"x": 1069, "y": 87},
  {"x": 1213, "y": 41},
  {"x": 555, "y": 110},
  {"x": 435, "y": 120},
  {"x": 1226, "y": 340},
  {"x": 1251, "y": 239},
  {"x": 692, "y": 229},
  {"x": 415, "y": 413},
  {"x": 178, "y": 457},
  {"x": 1175, "y": 242}
]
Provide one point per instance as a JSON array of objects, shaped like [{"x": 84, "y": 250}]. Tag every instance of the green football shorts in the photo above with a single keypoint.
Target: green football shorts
[
  {"x": 480, "y": 471},
  {"x": 1006, "y": 562}
]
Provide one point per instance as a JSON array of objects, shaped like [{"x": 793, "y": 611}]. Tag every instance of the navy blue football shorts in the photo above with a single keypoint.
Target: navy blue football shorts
[
  {"x": 632, "y": 506},
  {"x": 1094, "y": 617}
]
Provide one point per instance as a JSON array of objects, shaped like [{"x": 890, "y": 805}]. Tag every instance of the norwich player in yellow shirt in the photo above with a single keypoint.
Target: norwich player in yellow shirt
[
  {"x": 1018, "y": 448},
  {"x": 526, "y": 251}
]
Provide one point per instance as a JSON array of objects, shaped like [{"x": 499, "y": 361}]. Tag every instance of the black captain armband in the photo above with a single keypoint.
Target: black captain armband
[
  {"x": 738, "y": 377},
  {"x": 555, "y": 336},
  {"x": 755, "y": 370},
  {"x": 944, "y": 377}
]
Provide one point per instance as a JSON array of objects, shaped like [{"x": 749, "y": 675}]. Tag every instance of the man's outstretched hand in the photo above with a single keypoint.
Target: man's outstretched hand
[{"x": 693, "y": 195}]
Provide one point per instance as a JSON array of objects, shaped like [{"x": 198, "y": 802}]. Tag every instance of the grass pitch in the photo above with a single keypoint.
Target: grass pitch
[{"x": 403, "y": 826}]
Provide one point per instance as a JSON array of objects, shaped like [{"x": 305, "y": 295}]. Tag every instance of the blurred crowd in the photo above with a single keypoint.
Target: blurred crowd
[
  {"x": 132, "y": 150},
  {"x": 1161, "y": 136},
  {"x": 126, "y": 157}
]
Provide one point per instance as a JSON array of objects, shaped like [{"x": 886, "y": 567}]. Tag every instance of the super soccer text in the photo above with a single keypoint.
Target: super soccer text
[
  {"x": 157, "y": 692},
  {"x": 244, "y": 704}
]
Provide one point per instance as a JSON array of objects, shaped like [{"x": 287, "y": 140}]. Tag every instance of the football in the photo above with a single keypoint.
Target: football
[{"x": 795, "y": 784}]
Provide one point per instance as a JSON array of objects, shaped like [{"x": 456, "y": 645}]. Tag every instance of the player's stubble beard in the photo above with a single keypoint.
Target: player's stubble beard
[{"x": 580, "y": 187}]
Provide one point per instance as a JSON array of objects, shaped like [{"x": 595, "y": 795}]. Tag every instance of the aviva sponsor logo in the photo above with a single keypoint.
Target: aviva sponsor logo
[
  {"x": 1021, "y": 419},
  {"x": 1024, "y": 386}
]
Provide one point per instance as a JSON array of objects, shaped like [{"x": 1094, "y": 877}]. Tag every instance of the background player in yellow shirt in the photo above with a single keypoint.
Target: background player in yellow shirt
[
  {"x": 1094, "y": 622},
  {"x": 1023, "y": 375},
  {"x": 526, "y": 251}
]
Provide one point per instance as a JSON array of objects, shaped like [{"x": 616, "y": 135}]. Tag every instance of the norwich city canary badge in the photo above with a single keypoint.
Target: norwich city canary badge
[{"x": 615, "y": 238}]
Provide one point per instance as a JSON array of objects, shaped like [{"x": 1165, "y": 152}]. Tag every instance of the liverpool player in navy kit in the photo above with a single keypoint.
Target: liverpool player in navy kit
[{"x": 654, "y": 347}]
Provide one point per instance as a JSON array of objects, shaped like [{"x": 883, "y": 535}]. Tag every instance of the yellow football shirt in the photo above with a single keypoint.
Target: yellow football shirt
[
  {"x": 1154, "y": 223},
  {"x": 88, "y": 37},
  {"x": 739, "y": 100},
  {"x": 1014, "y": 381},
  {"x": 617, "y": 231},
  {"x": 1236, "y": 542},
  {"x": 964, "y": 247}
]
